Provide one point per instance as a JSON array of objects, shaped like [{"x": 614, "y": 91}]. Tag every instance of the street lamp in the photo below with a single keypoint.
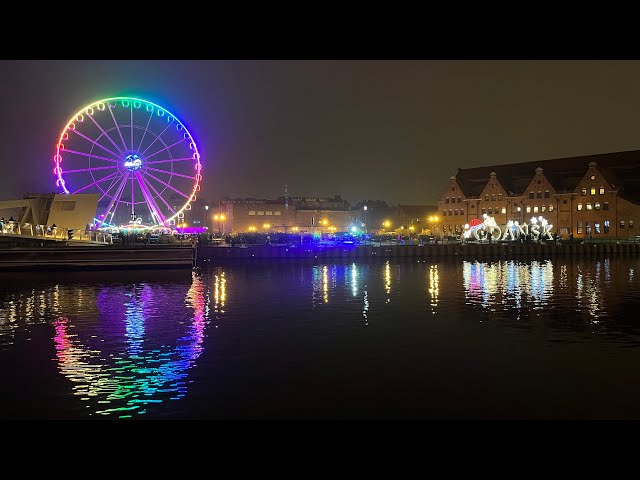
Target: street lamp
[{"x": 365, "y": 219}]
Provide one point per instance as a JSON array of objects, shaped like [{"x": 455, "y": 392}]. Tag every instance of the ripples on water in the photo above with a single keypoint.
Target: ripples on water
[{"x": 139, "y": 344}]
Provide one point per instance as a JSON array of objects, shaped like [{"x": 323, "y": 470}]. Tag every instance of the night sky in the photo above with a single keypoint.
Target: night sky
[{"x": 388, "y": 130}]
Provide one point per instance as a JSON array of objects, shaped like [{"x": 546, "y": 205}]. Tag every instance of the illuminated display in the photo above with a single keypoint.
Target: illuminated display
[{"x": 539, "y": 229}]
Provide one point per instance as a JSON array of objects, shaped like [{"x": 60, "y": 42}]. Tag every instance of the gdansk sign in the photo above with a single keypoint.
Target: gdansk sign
[{"x": 538, "y": 229}]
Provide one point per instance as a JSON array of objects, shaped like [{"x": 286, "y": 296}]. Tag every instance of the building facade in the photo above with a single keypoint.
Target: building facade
[{"x": 592, "y": 196}]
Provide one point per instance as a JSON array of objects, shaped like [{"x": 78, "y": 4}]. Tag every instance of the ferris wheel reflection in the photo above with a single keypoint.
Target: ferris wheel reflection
[{"x": 126, "y": 378}]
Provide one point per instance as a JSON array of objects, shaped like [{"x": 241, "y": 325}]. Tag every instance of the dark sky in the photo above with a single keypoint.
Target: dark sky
[{"x": 389, "y": 130}]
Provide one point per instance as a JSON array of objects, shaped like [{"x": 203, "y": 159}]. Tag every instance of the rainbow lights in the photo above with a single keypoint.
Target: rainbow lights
[{"x": 104, "y": 150}]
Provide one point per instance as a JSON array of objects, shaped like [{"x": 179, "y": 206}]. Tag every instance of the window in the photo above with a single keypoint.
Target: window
[
  {"x": 252, "y": 212},
  {"x": 444, "y": 213},
  {"x": 268, "y": 213},
  {"x": 592, "y": 177},
  {"x": 539, "y": 194},
  {"x": 584, "y": 191},
  {"x": 528, "y": 209},
  {"x": 462, "y": 211},
  {"x": 587, "y": 228},
  {"x": 589, "y": 206},
  {"x": 543, "y": 208},
  {"x": 484, "y": 210},
  {"x": 605, "y": 206},
  {"x": 535, "y": 209},
  {"x": 606, "y": 226},
  {"x": 596, "y": 228},
  {"x": 593, "y": 190},
  {"x": 456, "y": 211},
  {"x": 531, "y": 195},
  {"x": 260, "y": 213},
  {"x": 486, "y": 197},
  {"x": 621, "y": 223},
  {"x": 579, "y": 230},
  {"x": 601, "y": 190},
  {"x": 490, "y": 210},
  {"x": 450, "y": 212},
  {"x": 493, "y": 197},
  {"x": 446, "y": 200},
  {"x": 596, "y": 205},
  {"x": 551, "y": 208},
  {"x": 546, "y": 194},
  {"x": 499, "y": 197},
  {"x": 459, "y": 200},
  {"x": 630, "y": 223},
  {"x": 277, "y": 212},
  {"x": 504, "y": 209},
  {"x": 519, "y": 209},
  {"x": 579, "y": 207}
]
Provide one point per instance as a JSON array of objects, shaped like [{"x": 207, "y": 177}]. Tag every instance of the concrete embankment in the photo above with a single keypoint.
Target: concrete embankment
[
  {"x": 96, "y": 258},
  {"x": 217, "y": 254}
]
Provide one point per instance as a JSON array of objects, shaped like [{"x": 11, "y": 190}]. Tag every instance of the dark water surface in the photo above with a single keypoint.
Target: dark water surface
[{"x": 551, "y": 339}]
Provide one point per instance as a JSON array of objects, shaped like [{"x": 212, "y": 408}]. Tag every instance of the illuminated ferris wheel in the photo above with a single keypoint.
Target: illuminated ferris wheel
[{"x": 136, "y": 155}]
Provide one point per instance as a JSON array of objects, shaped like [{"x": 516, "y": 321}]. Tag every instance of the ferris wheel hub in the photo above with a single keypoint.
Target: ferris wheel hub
[{"x": 133, "y": 162}]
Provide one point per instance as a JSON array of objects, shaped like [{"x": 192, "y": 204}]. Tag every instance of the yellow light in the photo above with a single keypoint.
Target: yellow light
[
  {"x": 324, "y": 222},
  {"x": 411, "y": 228},
  {"x": 266, "y": 225},
  {"x": 215, "y": 217},
  {"x": 223, "y": 218},
  {"x": 386, "y": 224},
  {"x": 252, "y": 229},
  {"x": 435, "y": 219},
  {"x": 431, "y": 219}
]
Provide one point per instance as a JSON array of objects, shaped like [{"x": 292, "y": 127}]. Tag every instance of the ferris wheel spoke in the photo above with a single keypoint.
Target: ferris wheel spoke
[
  {"x": 171, "y": 160},
  {"x": 171, "y": 173},
  {"x": 117, "y": 196},
  {"x": 106, "y": 134},
  {"x": 164, "y": 183},
  {"x": 131, "y": 107},
  {"x": 96, "y": 143},
  {"x": 166, "y": 148},
  {"x": 90, "y": 169},
  {"x": 158, "y": 194},
  {"x": 156, "y": 139},
  {"x": 124, "y": 145},
  {"x": 145, "y": 130},
  {"x": 114, "y": 182},
  {"x": 153, "y": 207},
  {"x": 103, "y": 179},
  {"x": 91, "y": 155}
]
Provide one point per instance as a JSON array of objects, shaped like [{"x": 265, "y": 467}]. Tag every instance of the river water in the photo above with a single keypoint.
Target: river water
[{"x": 438, "y": 340}]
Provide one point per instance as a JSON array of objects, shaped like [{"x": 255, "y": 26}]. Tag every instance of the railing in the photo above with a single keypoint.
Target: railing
[{"x": 60, "y": 234}]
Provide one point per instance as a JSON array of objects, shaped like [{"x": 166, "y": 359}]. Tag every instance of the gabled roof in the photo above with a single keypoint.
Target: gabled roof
[{"x": 620, "y": 169}]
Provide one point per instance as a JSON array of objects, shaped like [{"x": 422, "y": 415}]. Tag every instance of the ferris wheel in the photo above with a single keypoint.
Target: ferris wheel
[{"x": 136, "y": 155}]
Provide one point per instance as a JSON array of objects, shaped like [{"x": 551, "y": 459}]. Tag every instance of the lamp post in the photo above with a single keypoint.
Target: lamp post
[
  {"x": 220, "y": 218},
  {"x": 365, "y": 219}
]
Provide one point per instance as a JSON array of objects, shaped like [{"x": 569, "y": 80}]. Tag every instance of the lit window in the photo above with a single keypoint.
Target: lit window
[
  {"x": 589, "y": 206},
  {"x": 535, "y": 209},
  {"x": 531, "y": 195},
  {"x": 504, "y": 210},
  {"x": 551, "y": 208},
  {"x": 584, "y": 191},
  {"x": 499, "y": 197},
  {"x": 596, "y": 205},
  {"x": 596, "y": 228},
  {"x": 593, "y": 190},
  {"x": 539, "y": 194},
  {"x": 260, "y": 213},
  {"x": 277, "y": 212},
  {"x": 252, "y": 212},
  {"x": 621, "y": 223},
  {"x": 592, "y": 177},
  {"x": 606, "y": 226},
  {"x": 587, "y": 228},
  {"x": 486, "y": 198},
  {"x": 519, "y": 209},
  {"x": 268, "y": 213},
  {"x": 601, "y": 190},
  {"x": 543, "y": 208},
  {"x": 630, "y": 223},
  {"x": 605, "y": 206},
  {"x": 579, "y": 227},
  {"x": 528, "y": 209},
  {"x": 546, "y": 194},
  {"x": 579, "y": 206}
]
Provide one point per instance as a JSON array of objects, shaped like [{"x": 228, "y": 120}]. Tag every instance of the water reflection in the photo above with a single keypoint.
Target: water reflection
[
  {"x": 151, "y": 369},
  {"x": 434, "y": 281}
]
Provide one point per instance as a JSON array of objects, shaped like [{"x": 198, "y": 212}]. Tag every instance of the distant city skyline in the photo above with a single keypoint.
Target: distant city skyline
[{"x": 385, "y": 130}]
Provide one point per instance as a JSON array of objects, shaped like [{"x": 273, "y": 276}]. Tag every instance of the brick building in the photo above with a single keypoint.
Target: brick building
[{"x": 594, "y": 195}]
